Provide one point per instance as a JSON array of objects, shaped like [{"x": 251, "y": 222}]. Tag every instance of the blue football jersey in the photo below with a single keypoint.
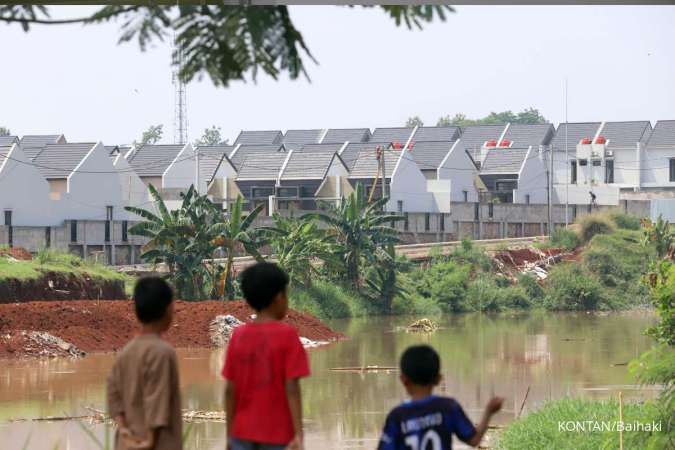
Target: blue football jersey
[{"x": 426, "y": 424}]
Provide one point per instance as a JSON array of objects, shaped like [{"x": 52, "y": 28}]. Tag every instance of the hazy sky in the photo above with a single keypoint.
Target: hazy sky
[{"x": 620, "y": 62}]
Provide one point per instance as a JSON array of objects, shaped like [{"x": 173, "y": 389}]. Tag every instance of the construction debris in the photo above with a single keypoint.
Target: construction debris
[
  {"x": 39, "y": 344},
  {"x": 221, "y": 328},
  {"x": 531, "y": 261},
  {"x": 422, "y": 326}
]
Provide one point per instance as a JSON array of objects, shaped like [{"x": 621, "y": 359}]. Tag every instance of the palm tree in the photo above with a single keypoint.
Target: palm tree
[
  {"x": 360, "y": 228},
  {"x": 233, "y": 235},
  {"x": 382, "y": 282}
]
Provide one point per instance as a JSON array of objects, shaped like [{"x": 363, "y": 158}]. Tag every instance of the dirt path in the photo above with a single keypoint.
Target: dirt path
[{"x": 94, "y": 326}]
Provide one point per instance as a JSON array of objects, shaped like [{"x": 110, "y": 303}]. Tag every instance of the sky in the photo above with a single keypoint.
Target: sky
[{"x": 619, "y": 63}]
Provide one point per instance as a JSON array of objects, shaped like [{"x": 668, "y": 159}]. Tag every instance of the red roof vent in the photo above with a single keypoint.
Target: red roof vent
[
  {"x": 491, "y": 143},
  {"x": 411, "y": 145},
  {"x": 505, "y": 143},
  {"x": 600, "y": 140},
  {"x": 396, "y": 145},
  {"x": 585, "y": 141}
]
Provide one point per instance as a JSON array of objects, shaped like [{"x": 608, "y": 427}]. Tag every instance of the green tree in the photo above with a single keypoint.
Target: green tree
[
  {"x": 382, "y": 278},
  {"x": 360, "y": 228},
  {"x": 210, "y": 136},
  {"x": 225, "y": 42},
  {"x": 444, "y": 121},
  {"x": 235, "y": 235},
  {"x": 150, "y": 136},
  {"x": 526, "y": 116},
  {"x": 530, "y": 115},
  {"x": 414, "y": 121},
  {"x": 4, "y": 131}
]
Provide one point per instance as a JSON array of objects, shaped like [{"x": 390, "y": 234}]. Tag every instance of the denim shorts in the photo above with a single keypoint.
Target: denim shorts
[{"x": 238, "y": 444}]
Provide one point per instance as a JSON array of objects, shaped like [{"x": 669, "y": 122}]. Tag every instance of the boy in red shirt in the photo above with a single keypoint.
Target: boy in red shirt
[{"x": 263, "y": 366}]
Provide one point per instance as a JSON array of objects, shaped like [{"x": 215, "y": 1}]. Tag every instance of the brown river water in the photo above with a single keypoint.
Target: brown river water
[{"x": 554, "y": 354}]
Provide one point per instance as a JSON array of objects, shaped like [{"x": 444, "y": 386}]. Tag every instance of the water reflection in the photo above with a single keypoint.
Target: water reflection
[{"x": 552, "y": 354}]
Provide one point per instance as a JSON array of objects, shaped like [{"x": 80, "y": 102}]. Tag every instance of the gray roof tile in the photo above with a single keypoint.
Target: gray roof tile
[
  {"x": 663, "y": 134},
  {"x": 351, "y": 152},
  {"x": 263, "y": 137},
  {"x": 321, "y": 148},
  {"x": 365, "y": 165},
  {"x": 153, "y": 160},
  {"x": 388, "y": 135},
  {"x": 503, "y": 160},
  {"x": 341, "y": 135},
  {"x": 524, "y": 135},
  {"x": 210, "y": 159},
  {"x": 575, "y": 133},
  {"x": 59, "y": 160},
  {"x": 40, "y": 140},
  {"x": 303, "y": 165},
  {"x": 261, "y": 166},
  {"x": 245, "y": 150},
  {"x": 8, "y": 140},
  {"x": 436, "y": 134},
  {"x": 32, "y": 152},
  {"x": 473, "y": 137},
  {"x": 429, "y": 155},
  {"x": 302, "y": 136},
  {"x": 625, "y": 134}
]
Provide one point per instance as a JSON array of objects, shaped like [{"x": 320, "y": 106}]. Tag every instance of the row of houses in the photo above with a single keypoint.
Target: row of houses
[{"x": 46, "y": 181}]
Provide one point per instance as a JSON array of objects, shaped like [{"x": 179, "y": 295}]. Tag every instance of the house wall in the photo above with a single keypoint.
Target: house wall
[
  {"x": 134, "y": 192},
  {"x": 655, "y": 165},
  {"x": 460, "y": 170},
  {"x": 409, "y": 185},
  {"x": 93, "y": 185},
  {"x": 532, "y": 179},
  {"x": 627, "y": 170},
  {"x": 155, "y": 181},
  {"x": 25, "y": 192},
  {"x": 181, "y": 173},
  {"x": 225, "y": 172}
]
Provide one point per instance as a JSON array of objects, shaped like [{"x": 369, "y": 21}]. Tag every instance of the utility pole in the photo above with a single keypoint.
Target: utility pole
[
  {"x": 384, "y": 176},
  {"x": 378, "y": 156},
  {"x": 568, "y": 166},
  {"x": 197, "y": 186},
  {"x": 549, "y": 188}
]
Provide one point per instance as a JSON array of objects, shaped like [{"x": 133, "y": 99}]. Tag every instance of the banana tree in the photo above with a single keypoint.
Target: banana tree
[
  {"x": 360, "y": 228},
  {"x": 381, "y": 278},
  {"x": 235, "y": 234}
]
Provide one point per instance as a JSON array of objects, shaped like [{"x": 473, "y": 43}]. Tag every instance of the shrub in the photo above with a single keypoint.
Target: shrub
[
  {"x": 468, "y": 253},
  {"x": 564, "y": 238},
  {"x": 532, "y": 288},
  {"x": 623, "y": 220},
  {"x": 569, "y": 288},
  {"x": 484, "y": 294},
  {"x": 415, "y": 305},
  {"x": 328, "y": 301},
  {"x": 594, "y": 224},
  {"x": 444, "y": 282}
]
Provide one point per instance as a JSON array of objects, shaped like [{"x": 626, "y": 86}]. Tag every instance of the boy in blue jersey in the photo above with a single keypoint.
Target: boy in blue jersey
[{"x": 427, "y": 422}]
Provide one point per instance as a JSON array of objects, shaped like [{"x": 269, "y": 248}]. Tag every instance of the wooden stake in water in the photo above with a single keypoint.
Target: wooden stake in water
[{"x": 621, "y": 420}]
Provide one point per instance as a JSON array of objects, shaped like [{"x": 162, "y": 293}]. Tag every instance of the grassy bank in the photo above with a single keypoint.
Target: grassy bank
[{"x": 559, "y": 424}]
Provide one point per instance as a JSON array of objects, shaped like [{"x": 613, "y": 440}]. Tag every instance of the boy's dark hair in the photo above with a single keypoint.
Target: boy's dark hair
[
  {"x": 421, "y": 364},
  {"x": 261, "y": 282},
  {"x": 152, "y": 295}
]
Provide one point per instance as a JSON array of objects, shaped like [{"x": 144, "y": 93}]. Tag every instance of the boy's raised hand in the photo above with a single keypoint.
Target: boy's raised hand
[
  {"x": 296, "y": 444},
  {"x": 494, "y": 405}
]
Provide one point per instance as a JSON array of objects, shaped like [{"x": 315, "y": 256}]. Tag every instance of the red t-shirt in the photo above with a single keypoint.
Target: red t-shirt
[{"x": 260, "y": 358}]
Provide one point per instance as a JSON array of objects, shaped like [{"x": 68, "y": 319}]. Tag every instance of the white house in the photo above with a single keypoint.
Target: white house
[
  {"x": 459, "y": 168},
  {"x": 151, "y": 163},
  {"x": 515, "y": 175},
  {"x": 658, "y": 160},
  {"x": 134, "y": 191},
  {"x": 217, "y": 174}
]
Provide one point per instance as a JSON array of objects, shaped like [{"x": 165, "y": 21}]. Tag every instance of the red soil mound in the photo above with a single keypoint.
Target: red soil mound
[
  {"x": 16, "y": 253},
  {"x": 108, "y": 325}
]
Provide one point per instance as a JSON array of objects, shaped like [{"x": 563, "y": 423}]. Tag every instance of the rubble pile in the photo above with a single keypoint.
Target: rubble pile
[
  {"x": 221, "y": 328},
  {"x": 39, "y": 344},
  {"x": 422, "y": 326},
  {"x": 531, "y": 261}
]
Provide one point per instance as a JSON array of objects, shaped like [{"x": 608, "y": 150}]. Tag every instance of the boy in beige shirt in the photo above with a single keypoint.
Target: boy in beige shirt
[{"x": 143, "y": 391}]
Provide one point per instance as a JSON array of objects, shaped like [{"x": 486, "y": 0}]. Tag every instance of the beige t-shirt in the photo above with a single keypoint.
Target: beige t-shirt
[{"x": 143, "y": 385}]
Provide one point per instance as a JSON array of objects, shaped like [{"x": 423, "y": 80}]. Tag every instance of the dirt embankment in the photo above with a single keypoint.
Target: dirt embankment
[
  {"x": 59, "y": 286},
  {"x": 94, "y": 326}
]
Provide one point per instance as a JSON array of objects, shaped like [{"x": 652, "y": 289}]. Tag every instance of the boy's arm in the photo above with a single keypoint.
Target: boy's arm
[
  {"x": 114, "y": 399},
  {"x": 295, "y": 404},
  {"x": 229, "y": 401},
  {"x": 493, "y": 406}
]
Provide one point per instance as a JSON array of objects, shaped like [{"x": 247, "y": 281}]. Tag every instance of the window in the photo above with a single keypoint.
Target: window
[
  {"x": 476, "y": 211},
  {"x": 427, "y": 221},
  {"x": 405, "y": 222},
  {"x": 491, "y": 210},
  {"x": 48, "y": 237},
  {"x": 609, "y": 171},
  {"x": 8, "y": 218},
  {"x": 262, "y": 192},
  {"x": 574, "y": 212},
  {"x": 10, "y": 229},
  {"x": 108, "y": 213},
  {"x": 596, "y": 163},
  {"x": 107, "y": 231},
  {"x": 73, "y": 231},
  {"x": 399, "y": 206},
  {"x": 527, "y": 199},
  {"x": 583, "y": 162},
  {"x": 288, "y": 192},
  {"x": 466, "y": 196},
  {"x": 125, "y": 230},
  {"x": 441, "y": 222},
  {"x": 573, "y": 172},
  {"x": 672, "y": 169}
]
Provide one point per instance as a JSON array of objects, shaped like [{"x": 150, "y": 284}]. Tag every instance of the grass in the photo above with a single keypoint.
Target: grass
[
  {"x": 327, "y": 300},
  {"x": 540, "y": 429}
]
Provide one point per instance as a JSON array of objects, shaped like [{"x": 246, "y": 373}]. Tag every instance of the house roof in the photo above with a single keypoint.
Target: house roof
[
  {"x": 321, "y": 148},
  {"x": 4, "y": 151},
  {"x": 40, "y": 140},
  {"x": 663, "y": 134},
  {"x": 153, "y": 160},
  {"x": 301, "y": 165},
  {"x": 436, "y": 134},
  {"x": 210, "y": 159},
  {"x": 473, "y": 137},
  {"x": 429, "y": 155},
  {"x": 114, "y": 149},
  {"x": 245, "y": 150},
  {"x": 388, "y": 135},
  {"x": 302, "y": 136},
  {"x": 8, "y": 140},
  {"x": 503, "y": 160},
  {"x": 351, "y": 152},
  {"x": 57, "y": 161},
  {"x": 346, "y": 134},
  {"x": 366, "y": 163},
  {"x": 32, "y": 152},
  {"x": 262, "y": 137},
  {"x": 524, "y": 135},
  {"x": 575, "y": 133},
  {"x": 626, "y": 134},
  {"x": 261, "y": 166}
]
